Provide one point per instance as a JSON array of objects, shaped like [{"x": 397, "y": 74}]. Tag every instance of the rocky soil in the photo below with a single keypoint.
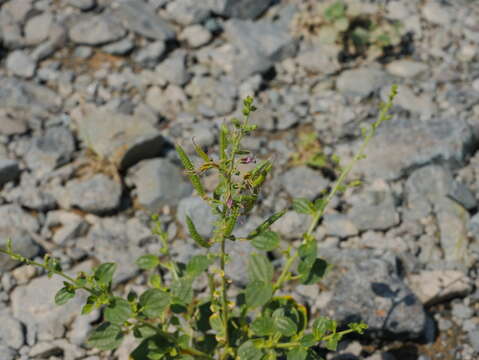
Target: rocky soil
[{"x": 93, "y": 93}]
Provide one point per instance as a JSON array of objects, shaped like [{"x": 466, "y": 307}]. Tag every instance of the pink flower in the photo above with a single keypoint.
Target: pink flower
[
  {"x": 247, "y": 160},
  {"x": 229, "y": 202}
]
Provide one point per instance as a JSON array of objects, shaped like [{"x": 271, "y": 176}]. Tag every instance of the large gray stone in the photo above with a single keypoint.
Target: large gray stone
[
  {"x": 199, "y": 212},
  {"x": 99, "y": 194},
  {"x": 53, "y": 149},
  {"x": 258, "y": 45},
  {"x": 21, "y": 64},
  {"x": 12, "y": 216},
  {"x": 159, "y": 182},
  {"x": 37, "y": 29},
  {"x": 361, "y": 82},
  {"x": 122, "y": 139},
  {"x": 11, "y": 331},
  {"x": 13, "y": 122},
  {"x": 187, "y": 12},
  {"x": 244, "y": 9},
  {"x": 96, "y": 30},
  {"x": 302, "y": 181},
  {"x": 141, "y": 18},
  {"x": 370, "y": 289},
  {"x": 173, "y": 69},
  {"x": 403, "y": 144}
]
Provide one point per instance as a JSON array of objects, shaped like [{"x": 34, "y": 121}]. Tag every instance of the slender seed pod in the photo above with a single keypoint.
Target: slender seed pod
[
  {"x": 194, "y": 179},
  {"x": 231, "y": 222},
  {"x": 223, "y": 141},
  {"x": 201, "y": 152},
  {"x": 266, "y": 224},
  {"x": 195, "y": 234}
]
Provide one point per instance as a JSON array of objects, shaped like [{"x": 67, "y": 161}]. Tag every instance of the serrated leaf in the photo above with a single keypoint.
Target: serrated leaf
[
  {"x": 332, "y": 342},
  {"x": 198, "y": 264},
  {"x": 194, "y": 179},
  {"x": 258, "y": 293},
  {"x": 322, "y": 326},
  {"x": 263, "y": 326},
  {"x": 143, "y": 331},
  {"x": 303, "y": 206},
  {"x": 314, "y": 273},
  {"x": 195, "y": 234},
  {"x": 182, "y": 290},
  {"x": 308, "y": 340},
  {"x": 155, "y": 281},
  {"x": 118, "y": 311},
  {"x": 107, "y": 336},
  {"x": 298, "y": 353},
  {"x": 151, "y": 348},
  {"x": 154, "y": 302},
  {"x": 104, "y": 273},
  {"x": 90, "y": 305},
  {"x": 64, "y": 295},
  {"x": 247, "y": 351},
  {"x": 260, "y": 268},
  {"x": 147, "y": 262},
  {"x": 266, "y": 241},
  {"x": 266, "y": 224},
  {"x": 284, "y": 325}
]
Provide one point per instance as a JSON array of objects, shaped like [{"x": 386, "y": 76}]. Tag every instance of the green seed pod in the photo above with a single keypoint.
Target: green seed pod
[
  {"x": 266, "y": 224},
  {"x": 223, "y": 141},
  {"x": 194, "y": 179},
  {"x": 194, "y": 233},
  {"x": 231, "y": 222}
]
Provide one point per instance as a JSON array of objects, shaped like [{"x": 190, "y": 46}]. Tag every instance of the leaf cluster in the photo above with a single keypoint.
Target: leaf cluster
[{"x": 173, "y": 321}]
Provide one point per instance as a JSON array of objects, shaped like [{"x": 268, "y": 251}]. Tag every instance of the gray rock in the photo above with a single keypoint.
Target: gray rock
[
  {"x": 33, "y": 305},
  {"x": 67, "y": 225},
  {"x": 406, "y": 68},
  {"x": 235, "y": 268},
  {"x": 398, "y": 146},
  {"x": 370, "y": 289},
  {"x": 187, "y": 12},
  {"x": 96, "y": 30},
  {"x": 12, "y": 216},
  {"x": 287, "y": 120},
  {"x": 108, "y": 240},
  {"x": 474, "y": 339},
  {"x": 141, "y": 18},
  {"x": 53, "y": 149},
  {"x": 375, "y": 209},
  {"x": 98, "y": 195},
  {"x": 301, "y": 181},
  {"x": 420, "y": 104},
  {"x": 159, "y": 182},
  {"x": 13, "y": 122},
  {"x": 11, "y": 332},
  {"x": 199, "y": 212},
  {"x": 30, "y": 195},
  {"x": 151, "y": 54},
  {"x": 292, "y": 225},
  {"x": 57, "y": 38},
  {"x": 37, "y": 29},
  {"x": 83, "y": 52},
  {"x": 323, "y": 58},
  {"x": 244, "y": 9},
  {"x": 123, "y": 140},
  {"x": 83, "y": 4},
  {"x": 436, "y": 13},
  {"x": 361, "y": 82},
  {"x": 9, "y": 171},
  {"x": 20, "y": 64},
  {"x": 195, "y": 36},
  {"x": 7, "y": 353},
  {"x": 434, "y": 183},
  {"x": 173, "y": 69},
  {"x": 339, "y": 225},
  {"x": 27, "y": 96},
  {"x": 22, "y": 243},
  {"x": 258, "y": 45},
  {"x": 462, "y": 311},
  {"x": 122, "y": 47}
]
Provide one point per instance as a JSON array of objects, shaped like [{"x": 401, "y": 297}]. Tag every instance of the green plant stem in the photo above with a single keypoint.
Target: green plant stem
[
  {"x": 224, "y": 296},
  {"x": 26, "y": 261}
]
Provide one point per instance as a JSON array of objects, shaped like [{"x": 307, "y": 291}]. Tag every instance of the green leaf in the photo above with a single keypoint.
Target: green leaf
[
  {"x": 216, "y": 324},
  {"x": 258, "y": 293},
  {"x": 223, "y": 141},
  {"x": 64, "y": 295},
  {"x": 104, "y": 273},
  {"x": 263, "y": 326},
  {"x": 358, "y": 327},
  {"x": 152, "y": 348},
  {"x": 198, "y": 264},
  {"x": 182, "y": 290},
  {"x": 266, "y": 224},
  {"x": 335, "y": 11},
  {"x": 284, "y": 324},
  {"x": 303, "y": 206},
  {"x": 332, "y": 342},
  {"x": 155, "y": 281},
  {"x": 90, "y": 305},
  {"x": 147, "y": 262},
  {"x": 315, "y": 273},
  {"x": 298, "y": 353},
  {"x": 308, "y": 340},
  {"x": 118, "y": 311},
  {"x": 107, "y": 336},
  {"x": 266, "y": 241},
  {"x": 322, "y": 326},
  {"x": 195, "y": 234},
  {"x": 143, "y": 331},
  {"x": 247, "y": 351},
  {"x": 194, "y": 179},
  {"x": 154, "y": 302},
  {"x": 260, "y": 268}
]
